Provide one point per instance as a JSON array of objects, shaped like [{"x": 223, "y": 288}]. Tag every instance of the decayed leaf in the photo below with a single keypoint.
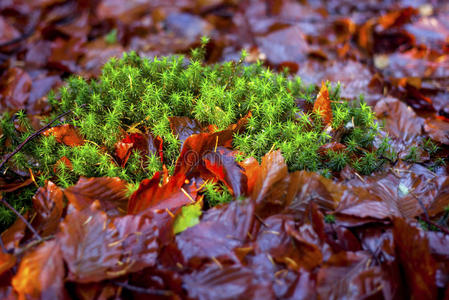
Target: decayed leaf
[
  {"x": 189, "y": 217},
  {"x": 66, "y": 134},
  {"x": 322, "y": 105},
  {"x": 97, "y": 247},
  {"x": 109, "y": 191},
  {"x": 41, "y": 273},
  {"x": 7, "y": 261},
  {"x": 419, "y": 266},
  {"x": 48, "y": 205}
]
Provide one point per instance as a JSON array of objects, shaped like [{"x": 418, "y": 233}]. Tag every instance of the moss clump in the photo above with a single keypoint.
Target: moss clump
[{"x": 139, "y": 93}]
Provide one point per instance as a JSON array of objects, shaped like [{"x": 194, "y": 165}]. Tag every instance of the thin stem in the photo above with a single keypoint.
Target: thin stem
[
  {"x": 142, "y": 290},
  {"x": 18, "y": 148},
  {"x": 22, "y": 218}
]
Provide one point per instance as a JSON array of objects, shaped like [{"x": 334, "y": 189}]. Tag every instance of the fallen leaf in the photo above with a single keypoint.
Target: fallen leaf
[
  {"x": 189, "y": 216},
  {"x": 416, "y": 260},
  {"x": 41, "y": 273},
  {"x": 171, "y": 195},
  {"x": 66, "y": 134},
  {"x": 322, "y": 105},
  {"x": 97, "y": 247},
  {"x": 109, "y": 191},
  {"x": 7, "y": 261},
  {"x": 48, "y": 205}
]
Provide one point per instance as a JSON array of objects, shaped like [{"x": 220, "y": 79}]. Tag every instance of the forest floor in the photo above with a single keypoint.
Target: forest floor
[{"x": 296, "y": 235}]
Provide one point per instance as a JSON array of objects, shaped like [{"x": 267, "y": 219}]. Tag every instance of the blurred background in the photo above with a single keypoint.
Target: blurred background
[{"x": 394, "y": 50}]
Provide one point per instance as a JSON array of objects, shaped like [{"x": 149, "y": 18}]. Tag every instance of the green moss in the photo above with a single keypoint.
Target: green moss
[{"x": 142, "y": 93}]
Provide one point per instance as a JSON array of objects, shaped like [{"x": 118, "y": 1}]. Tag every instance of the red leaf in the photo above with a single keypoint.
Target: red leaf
[
  {"x": 97, "y": 247},
  {"x": 223, "y": 166},
  {"x": 171, "y": 195},
  {"x": 41, "y": 273},
  {"x": 197, "y": 146},
  {"x": 140, "y": 142},
  {"x": 110, "y": 192},
  {"x": 63, "y": 160},
  {"x": 322, "y": 105},
  {"x": 66, "y": 134}
]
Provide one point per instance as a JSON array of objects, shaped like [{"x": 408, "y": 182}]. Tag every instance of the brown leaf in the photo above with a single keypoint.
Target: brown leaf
[
  {"x": 348, "y": 274},
  {"x": 110, "y": 192},
  {"x": 221, "y": 230},
  {"x": 15, "y": 86},
  {"x": 97, "y": 247},
  {"x": 322, "y": 105},
  {"x": 416, "y": 260},
  {"x": 41, "y": 273},
  {"x": 66, "y": 134},
  {"x": 437, "y": 129},
  {"x": 171, "y": 195},
  {"x": 7, "y": 261},
  {"x": 13, "y": 235},
  {"x": 48, "y": 205}
]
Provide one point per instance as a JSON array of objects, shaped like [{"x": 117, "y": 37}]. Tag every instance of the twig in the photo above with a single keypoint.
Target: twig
[
  {"x": 142, "y": 290},
  {"x": 31, "y": 28},
  {"x": 22, "y": 218},
  {"x": 2, "y": 246},
  {"x": 260, "y": 220},
  {"x": 31, "y": 244},
  {"x": 9, "y": 155}
]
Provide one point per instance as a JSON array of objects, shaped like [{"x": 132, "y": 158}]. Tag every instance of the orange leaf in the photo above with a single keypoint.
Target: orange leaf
[
  {"x": 66, "y": 134},
  {"x": 41, "y": 272},
  {"x": 7, "y": 261},
  {"x": 322, "y": 105}
]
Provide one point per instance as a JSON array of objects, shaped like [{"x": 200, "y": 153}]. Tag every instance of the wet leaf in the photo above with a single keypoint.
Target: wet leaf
[
  {"x": 41, "y": 273},
  {"x": 416, "y": 260},
  {"x": 110, "y": 192},
  {"x": 48, "y": 205},
  {"x": 97, "y": 247},
  {"x": 172, "y": 195}
]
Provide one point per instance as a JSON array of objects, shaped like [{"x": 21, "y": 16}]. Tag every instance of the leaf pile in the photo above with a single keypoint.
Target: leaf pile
[{"x": 286, "y": 235}]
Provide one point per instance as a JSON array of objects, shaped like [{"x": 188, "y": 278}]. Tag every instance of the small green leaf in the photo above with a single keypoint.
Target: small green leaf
[
  {"x": 189, "y": 217},
  {"x": 111, "y": 37}
]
